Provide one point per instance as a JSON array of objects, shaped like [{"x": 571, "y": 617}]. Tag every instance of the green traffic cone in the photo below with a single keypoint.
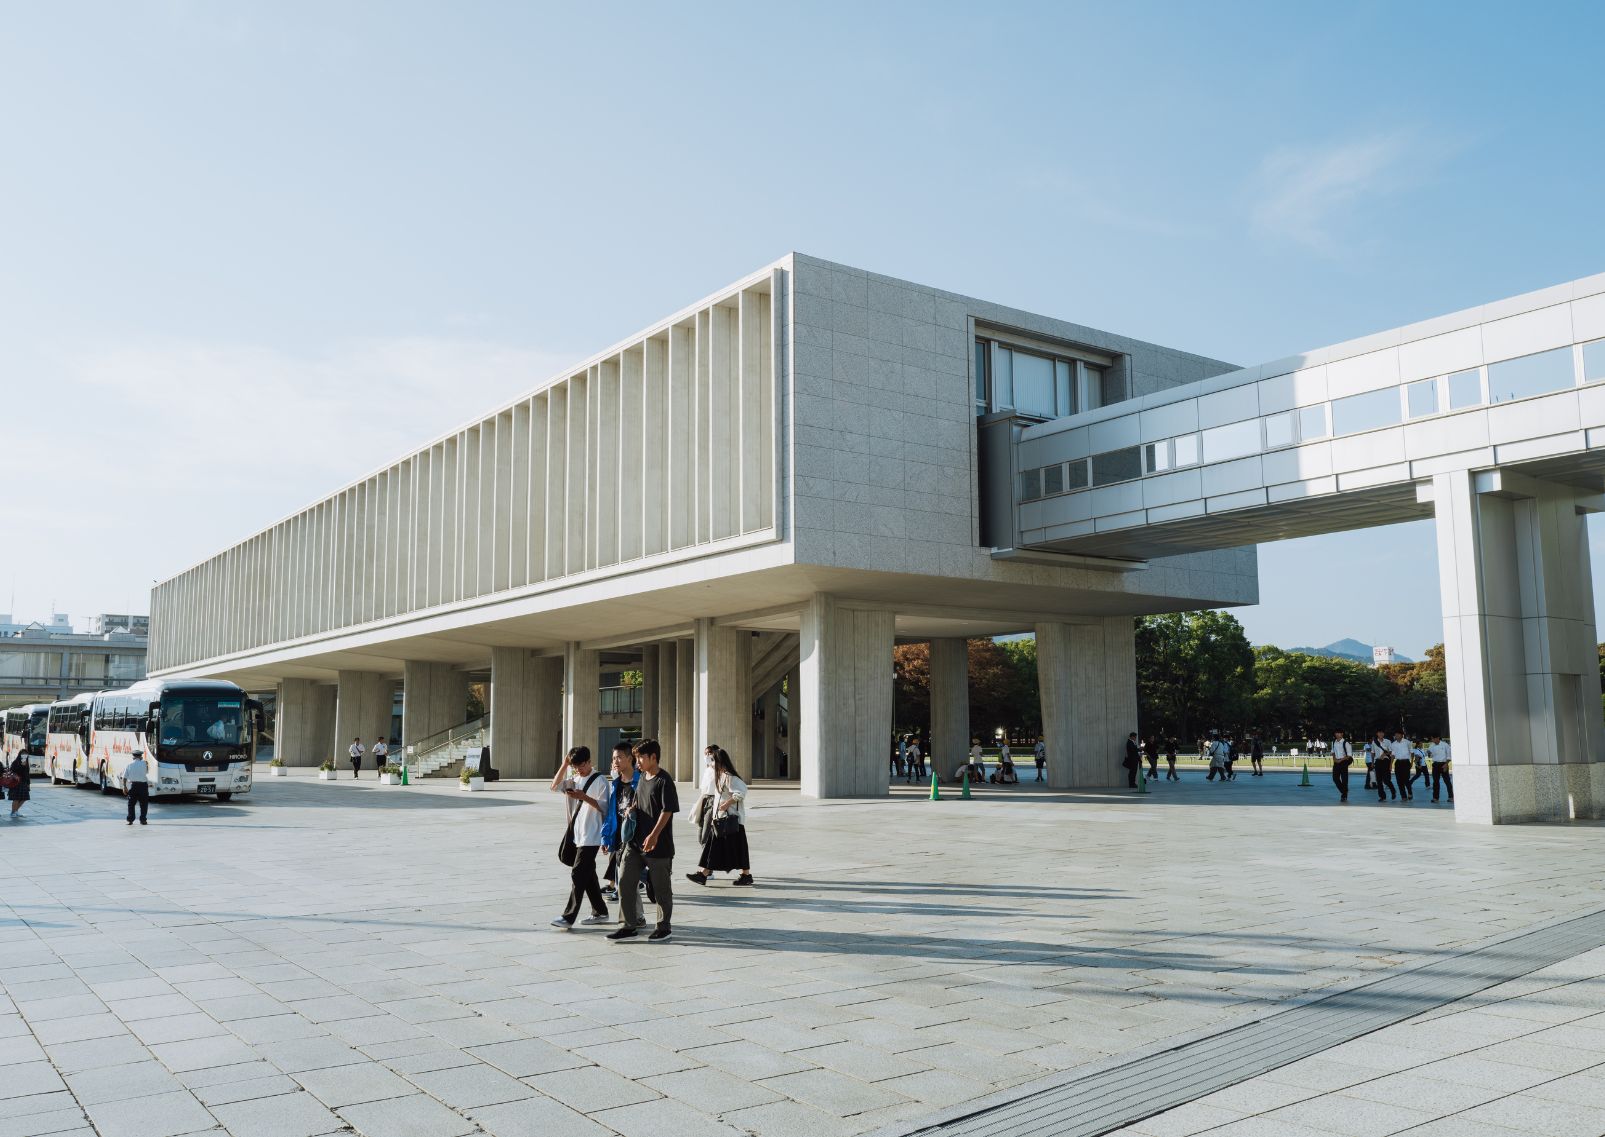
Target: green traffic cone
[
  {"x": 404, "y": 775},
  {"x": 1142, "y": 780},
  {"x": 936, "y": 794},
  {"x": 1306, "y": 779},
  {"x": 966, "y": 794}
]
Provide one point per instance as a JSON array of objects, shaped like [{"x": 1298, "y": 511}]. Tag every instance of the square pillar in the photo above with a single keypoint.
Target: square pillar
[
  {"x": 582, "y": 698},
  {"x": 687, "y": 747},
  {"x": 1519, "y": 648},
  {"x": 845, "y": 700},
  {"x": 434, "y": 698},
  {"x": 526, "y": 712},
  {"x": 667, "y": 699},
  {"x": 649, "y": 691},
  {"x": 724, "y": 692},
  {"x": 362, "y": 707},
  {"x": 794, "y": 722},
  {"x": 763, "y": 763},
  {"x": 950, "y": 702},
  {"x": 1087, "y": 682},
  {"x": 303, "y": 726}
]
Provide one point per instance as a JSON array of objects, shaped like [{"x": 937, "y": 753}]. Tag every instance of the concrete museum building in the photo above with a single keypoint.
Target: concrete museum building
[{"x": 785, "y": 479}]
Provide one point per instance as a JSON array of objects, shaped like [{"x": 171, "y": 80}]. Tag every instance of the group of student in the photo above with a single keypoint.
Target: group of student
[
  {"x": 908, "y": 762},
  {"x": 1394, "y": 765},
  {"x": 381, "y": 755},
  {"x": 628, "y": 813}
]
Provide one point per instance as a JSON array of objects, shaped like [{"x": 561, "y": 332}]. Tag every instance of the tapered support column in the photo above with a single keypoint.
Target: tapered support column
[
  {"x": 845, "y": 700},
  {"x": 950, "y": 702},
  {"x": 1087, "y": 682},
  {"x": 582, "y": 700},
  {"x": 649, "y": 691},
  {"x": 687, "y": 746},
  {"x": 1519, "y": 649},
  {"x": 794, "y": 723},
  {"x": 668, "y": 703},
  {"x": 763, "y": 763},
  {"x": 434, "y": 698},
  {"x": 724, "y": 690},
  {"x": 303, "y": 727},
  {"x": 363, "y": 704},
  {"x": 526, "y": 719}
]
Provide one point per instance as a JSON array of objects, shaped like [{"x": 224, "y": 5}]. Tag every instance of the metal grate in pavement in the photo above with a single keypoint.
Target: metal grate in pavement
[{"x": 1110, "y": 1098}]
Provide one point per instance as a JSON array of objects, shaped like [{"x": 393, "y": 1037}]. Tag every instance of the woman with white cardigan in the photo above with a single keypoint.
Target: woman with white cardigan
[{"x": 724, "y": 826}]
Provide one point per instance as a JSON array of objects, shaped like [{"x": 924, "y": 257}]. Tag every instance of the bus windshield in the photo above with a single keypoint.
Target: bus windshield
[
  {"x": 36, "y": 729},
  {"x": 217, "y": 720}
]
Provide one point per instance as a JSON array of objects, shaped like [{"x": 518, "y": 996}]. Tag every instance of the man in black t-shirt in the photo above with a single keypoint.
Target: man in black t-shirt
[{"x": 646, "y": 834}]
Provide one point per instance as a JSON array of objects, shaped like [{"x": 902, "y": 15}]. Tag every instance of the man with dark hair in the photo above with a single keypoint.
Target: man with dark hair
[
  {"x": 646, "y": 835},
  {"x": 1133, "y": 759}
]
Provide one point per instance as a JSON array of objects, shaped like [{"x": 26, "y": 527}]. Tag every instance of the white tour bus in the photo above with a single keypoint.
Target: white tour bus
[
  {"x": 25, "y": 734},
  {"x": 198, "y": 735},
  {"x": 67, "y": 740}
]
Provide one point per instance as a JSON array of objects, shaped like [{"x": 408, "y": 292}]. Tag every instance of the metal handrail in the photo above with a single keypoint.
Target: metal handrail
[{"x": 416, "y": 752}]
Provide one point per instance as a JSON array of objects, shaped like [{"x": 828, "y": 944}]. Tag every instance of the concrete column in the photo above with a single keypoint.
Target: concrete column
[
  {"x": 582, "y": 699},
  {"x": 1087, "y": 681},
  {"x": 794, "y": 723},
  {"x": 687, "y": 746},
  {"x": 303, "y": 726},
  {"x": 845, "y": 700},
  {"x": 950, "y": 702},
  {"x": 526, "y": 712},
  {"x": 363, "y": 702},
  {"x": 763, "y": 763},
  {"x": 649, "y": 691},
  {"x": 724, "y": 691},
  {"x": 434, "y": 698},
  {"x": 1519, "y": 646},
  {"x": 668, "y": 702}
]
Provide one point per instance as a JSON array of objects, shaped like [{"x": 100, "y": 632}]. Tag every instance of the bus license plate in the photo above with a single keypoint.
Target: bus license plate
[
  {"x": 206, "y": 769},
  {"x": 206, "y": 788}
]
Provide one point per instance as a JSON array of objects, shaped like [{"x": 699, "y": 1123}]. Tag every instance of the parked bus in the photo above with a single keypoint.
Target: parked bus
[
  {"x": 67, "y": 740},
  {"x": 25, "y": 734},
  {"x": 198, "y": 735}
]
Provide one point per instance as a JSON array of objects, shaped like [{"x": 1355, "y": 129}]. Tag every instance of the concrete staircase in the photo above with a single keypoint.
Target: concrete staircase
[{"x": 442, "y": 755}]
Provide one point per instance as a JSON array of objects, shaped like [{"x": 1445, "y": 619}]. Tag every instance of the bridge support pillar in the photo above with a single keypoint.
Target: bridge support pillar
[
  {"x": 526, "y": 712},
  {"x": 434, "y": 698},
  {"x": 667, "y": 681},
  {"x": 950, "y": 703},
  {"x": 842, "y": 713},
  {"x": 724, "y": 694},
  {"x": 363, "y": 704},
  {"x": 1519, "y": 647},
  {"x": 1087, "y": 681},
  {"x": 303, "y": 728},
  {"x": 582, "y": 698}
]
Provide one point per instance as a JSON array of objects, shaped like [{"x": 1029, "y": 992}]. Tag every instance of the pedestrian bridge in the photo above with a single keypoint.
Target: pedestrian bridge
[{"x": 1491, "y": 421}]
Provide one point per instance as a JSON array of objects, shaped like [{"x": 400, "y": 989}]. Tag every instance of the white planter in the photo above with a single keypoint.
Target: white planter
[
  {"x": 279, "y": 771},
  {"x": 389, "y": 779},
  {"x": 328, "y": 775},
  {"x": 472, "y": 785}
]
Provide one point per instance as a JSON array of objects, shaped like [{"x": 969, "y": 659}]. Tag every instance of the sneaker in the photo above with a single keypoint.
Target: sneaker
[
  {"x": 142, "y": 821},
  {"x": 593, "y": 921},
  {"x": 641, "y": 923},
  {"x": 744, "y": 878},
  {"x": 561, "y": 924},
  {"x": 697, "y": 877},
  {"x": 622, "y": 934},
  {"x": 610, "y": 894},
  {"x": 659, "y": 935}
]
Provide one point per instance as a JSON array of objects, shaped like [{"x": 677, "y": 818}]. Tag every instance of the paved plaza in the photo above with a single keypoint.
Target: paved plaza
[{"x": 345, "y": 957}]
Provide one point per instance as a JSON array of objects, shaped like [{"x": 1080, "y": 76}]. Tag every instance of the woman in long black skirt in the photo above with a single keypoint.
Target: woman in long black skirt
[
  {"x": 727, "y": 852},
  {"x": 21, "y": 776}
]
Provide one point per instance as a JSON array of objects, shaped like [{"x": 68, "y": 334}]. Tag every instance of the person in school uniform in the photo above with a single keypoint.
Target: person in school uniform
[
  {"x": 1040, "y": 753},
  {"x": 1438, "y": 761},
  {"x": 1403, "y": 765},
  {"x": 1380, "y": 753},
  {"x": 355, "y": 752},
  {"x": 1342, "y": 759},
  {"x": 381, "y": 755}
]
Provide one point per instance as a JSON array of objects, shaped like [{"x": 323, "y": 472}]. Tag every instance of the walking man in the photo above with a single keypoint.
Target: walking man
[
  {"x": 1150, "y": 748},
  {"x": 136, "y": 784},
  {"x": 589, "y": 798},
  {"x": 1217, "y": 759},
  {"x": 1342, "y": 759},
  {"x": 1404, "y": 774},
  {"x": 1133, "y": 760},
  {"x": 381, "y": 755},
  {"x": 1381, "y": 752},
  {"x": 1040, "y": 753},
  {"x": 646, "y": 833},
  {"x": 1170, "y": 760},
  {"x": 356, "y": 751},
  {"x": 1257, "y": 756},
  {"x": 1438, "y": 756}
]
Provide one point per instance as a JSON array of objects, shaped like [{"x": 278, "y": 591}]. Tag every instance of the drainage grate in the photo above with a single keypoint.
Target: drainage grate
[{"x": 1108, "y": 1099}]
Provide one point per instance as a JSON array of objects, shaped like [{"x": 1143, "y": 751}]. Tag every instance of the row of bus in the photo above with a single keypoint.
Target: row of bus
[{"x": 198, "y": 737}]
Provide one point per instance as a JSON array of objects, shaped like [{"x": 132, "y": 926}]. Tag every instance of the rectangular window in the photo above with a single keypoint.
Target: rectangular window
[
  {"x": 1030, "y": 485},
  {"x": 1465, "y": 389},
  {"x": 983, "y": 349},
  {"x": 1052, "y": 480},
  {"x": 1594, "y": 361},
  {"x": 1531, "y": 375},
  {"x": 1003, "y": 380},
  {"x": 1421, "y": 398},
  {"x": 1117, "y": 466},
  {"x": 1063, "y": 385},
  {"x": 1186, "y": 449},
  {"x": 1033, "y": 385},
  {"x": 1312, "y": 423},
  {"x": 1279, "y": 430},
  {"x": 1370, "y": 411},
  {"x": 1157, "y": 456},
  {"x": 1077, "y": 475},
  {"x": 1231, "y": 441}
]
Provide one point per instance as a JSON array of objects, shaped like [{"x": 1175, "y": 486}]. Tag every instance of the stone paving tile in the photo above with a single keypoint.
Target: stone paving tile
[
  {"x": 663, "y": 1119},
  {"x": 710, "y": 1090},
  {"x": 527, "y": 1057},
  {"x": 596, "y": 1087},
  {"x": 835, "y": 1093},
  {"x": 160, "y": 1115},
  {"x": 338, "y": 1086},
  {"x": 115, "y": 1083},
  {"x": 539, "y": 1117},
  {"x": 65, "y": 1121},
  {"x": 245, "y": 1089},
  {"x": 24, "y": 1078},
  {"x": 1532, "y": 1114},
  {"x": 464, "y": 1087},
  {"x": 415, "y": 1116},
  {"x": 284, "y": 1115}
]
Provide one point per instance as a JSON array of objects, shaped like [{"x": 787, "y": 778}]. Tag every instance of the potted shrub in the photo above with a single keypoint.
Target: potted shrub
[
  {"x": 470, "y": 781},
  {"x": 277, "y": 769},
  {"x": 326, "y": 772},
  {"x": 390, "y": 774}
]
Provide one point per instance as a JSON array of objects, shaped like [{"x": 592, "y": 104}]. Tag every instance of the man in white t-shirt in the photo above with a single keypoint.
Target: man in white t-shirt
[
  {"x": 136, "y": 785},
  {"x": 1404, "y": 774},
  {"x": 381, "y": 754},
  {"x": 588, "y": 797},
  {"x": 355, "y": 752},
  {"x": 1438, "y": 762},
  {"x": 1342, "y": 759}
]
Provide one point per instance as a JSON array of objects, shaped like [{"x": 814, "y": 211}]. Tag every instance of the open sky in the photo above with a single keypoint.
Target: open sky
[{"x": 249, "y": 251}]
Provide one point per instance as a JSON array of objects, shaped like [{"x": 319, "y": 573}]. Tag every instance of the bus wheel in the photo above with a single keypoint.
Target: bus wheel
[{"x": 224, "y": 797}]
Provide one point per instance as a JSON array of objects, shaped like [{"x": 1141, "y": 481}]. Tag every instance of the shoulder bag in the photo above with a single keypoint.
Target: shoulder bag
[{"x": 567, "y": 851}]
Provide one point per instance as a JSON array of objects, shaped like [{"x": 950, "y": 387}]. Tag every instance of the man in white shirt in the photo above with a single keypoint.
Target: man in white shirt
[
  {"x": 381, "y": 754},
  {"x": 355, "y": 751},
  {"x": 1404, "y": 774},
  {"x": 1342, "y": 759},
  {"x": 136, "y": 785},
  {"x": 588, "y": 794},
  {"x": 1438, "y": 757}
]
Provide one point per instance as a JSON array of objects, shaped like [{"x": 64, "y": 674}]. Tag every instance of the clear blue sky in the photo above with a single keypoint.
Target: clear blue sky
[{"x": 252, "y": 250}]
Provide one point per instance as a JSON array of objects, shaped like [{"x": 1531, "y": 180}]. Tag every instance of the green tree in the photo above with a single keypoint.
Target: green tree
[{"x": 1194, "y": 673}]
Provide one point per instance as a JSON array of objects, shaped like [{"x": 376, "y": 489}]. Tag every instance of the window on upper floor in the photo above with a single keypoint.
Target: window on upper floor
[
  {"x": 1594, "y": 361},
  {"x": 1042, "y": 383},
  {"x": 1465, "y": 389},
  {"x": 1531, "y": 375}
]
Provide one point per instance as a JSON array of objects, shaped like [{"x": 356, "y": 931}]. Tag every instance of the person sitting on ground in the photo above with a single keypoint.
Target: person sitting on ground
[{"x": 1005, "y": 775}]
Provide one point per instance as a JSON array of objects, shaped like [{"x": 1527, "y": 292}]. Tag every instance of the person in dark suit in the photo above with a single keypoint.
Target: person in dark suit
[{"x": 1133, "y": 759}]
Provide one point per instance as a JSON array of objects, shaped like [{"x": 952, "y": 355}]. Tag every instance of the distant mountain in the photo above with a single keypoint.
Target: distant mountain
[{"x": 1348, "y": 649}]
